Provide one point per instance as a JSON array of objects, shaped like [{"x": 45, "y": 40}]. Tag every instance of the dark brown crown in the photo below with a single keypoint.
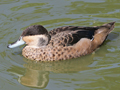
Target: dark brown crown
[{"x": 34, "y": 30}]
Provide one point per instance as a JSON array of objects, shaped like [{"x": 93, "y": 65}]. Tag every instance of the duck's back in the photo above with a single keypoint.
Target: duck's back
[{"x": 69, "y": 35}]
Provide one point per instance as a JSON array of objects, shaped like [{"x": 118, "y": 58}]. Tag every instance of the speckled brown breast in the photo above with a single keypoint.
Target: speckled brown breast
[{"x": 50, "y": 53}]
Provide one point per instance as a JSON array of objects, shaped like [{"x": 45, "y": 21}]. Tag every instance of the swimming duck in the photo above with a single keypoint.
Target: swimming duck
[{"x": 62, "y": 43}]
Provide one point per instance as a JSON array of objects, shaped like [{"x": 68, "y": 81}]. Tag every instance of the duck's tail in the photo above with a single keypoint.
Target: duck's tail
[
  {"x": 101, "y": 34},
  {"x": 87, "y": 46},
  {"x": 105, "y": 28}
]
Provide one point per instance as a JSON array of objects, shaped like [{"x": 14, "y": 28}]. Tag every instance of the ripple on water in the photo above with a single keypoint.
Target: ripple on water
[{"x": 8, "y": 1}]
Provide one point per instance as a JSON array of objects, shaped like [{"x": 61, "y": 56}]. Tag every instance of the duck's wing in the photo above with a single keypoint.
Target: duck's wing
[
  {"x": 70, "y": 35},
  {"x": 71, "y": 28}
]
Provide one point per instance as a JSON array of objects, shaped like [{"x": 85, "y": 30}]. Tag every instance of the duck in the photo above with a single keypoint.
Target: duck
[{"x": 61, "y": 43}]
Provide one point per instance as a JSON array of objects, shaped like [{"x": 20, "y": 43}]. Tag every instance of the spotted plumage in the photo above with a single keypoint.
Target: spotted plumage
[{"x": 62, "y": 43}]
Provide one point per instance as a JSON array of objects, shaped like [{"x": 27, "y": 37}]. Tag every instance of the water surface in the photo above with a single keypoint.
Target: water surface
[{"x": 98, "y": 71}]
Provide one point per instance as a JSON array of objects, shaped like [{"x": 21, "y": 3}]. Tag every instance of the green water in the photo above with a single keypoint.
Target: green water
[{"x": 99, "y": 71}]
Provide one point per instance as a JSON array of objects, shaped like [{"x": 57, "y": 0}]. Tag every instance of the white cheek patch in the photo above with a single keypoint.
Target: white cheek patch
[{"x": 19, "y": 42}]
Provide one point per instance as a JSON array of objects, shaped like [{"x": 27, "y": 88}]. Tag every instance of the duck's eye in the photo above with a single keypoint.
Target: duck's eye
[{"x": 30, "y": 34}]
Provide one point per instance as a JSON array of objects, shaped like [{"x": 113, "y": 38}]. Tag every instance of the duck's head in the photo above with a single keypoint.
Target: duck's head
[{"x": 35, "y": 35}]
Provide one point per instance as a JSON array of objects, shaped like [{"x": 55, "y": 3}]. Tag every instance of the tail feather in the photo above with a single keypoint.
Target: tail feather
[
  {"x": 101, "y": 34},
  {"x": 109, "y": 27}
]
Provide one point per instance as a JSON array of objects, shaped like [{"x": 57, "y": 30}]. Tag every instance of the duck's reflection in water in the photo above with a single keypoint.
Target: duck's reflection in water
[
  {"x": 34, "y": 78},
  {"x": 36, "y": 74}
]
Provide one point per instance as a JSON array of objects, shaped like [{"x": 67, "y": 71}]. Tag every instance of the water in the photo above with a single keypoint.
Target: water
[{"x": 99, "y": 71}]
